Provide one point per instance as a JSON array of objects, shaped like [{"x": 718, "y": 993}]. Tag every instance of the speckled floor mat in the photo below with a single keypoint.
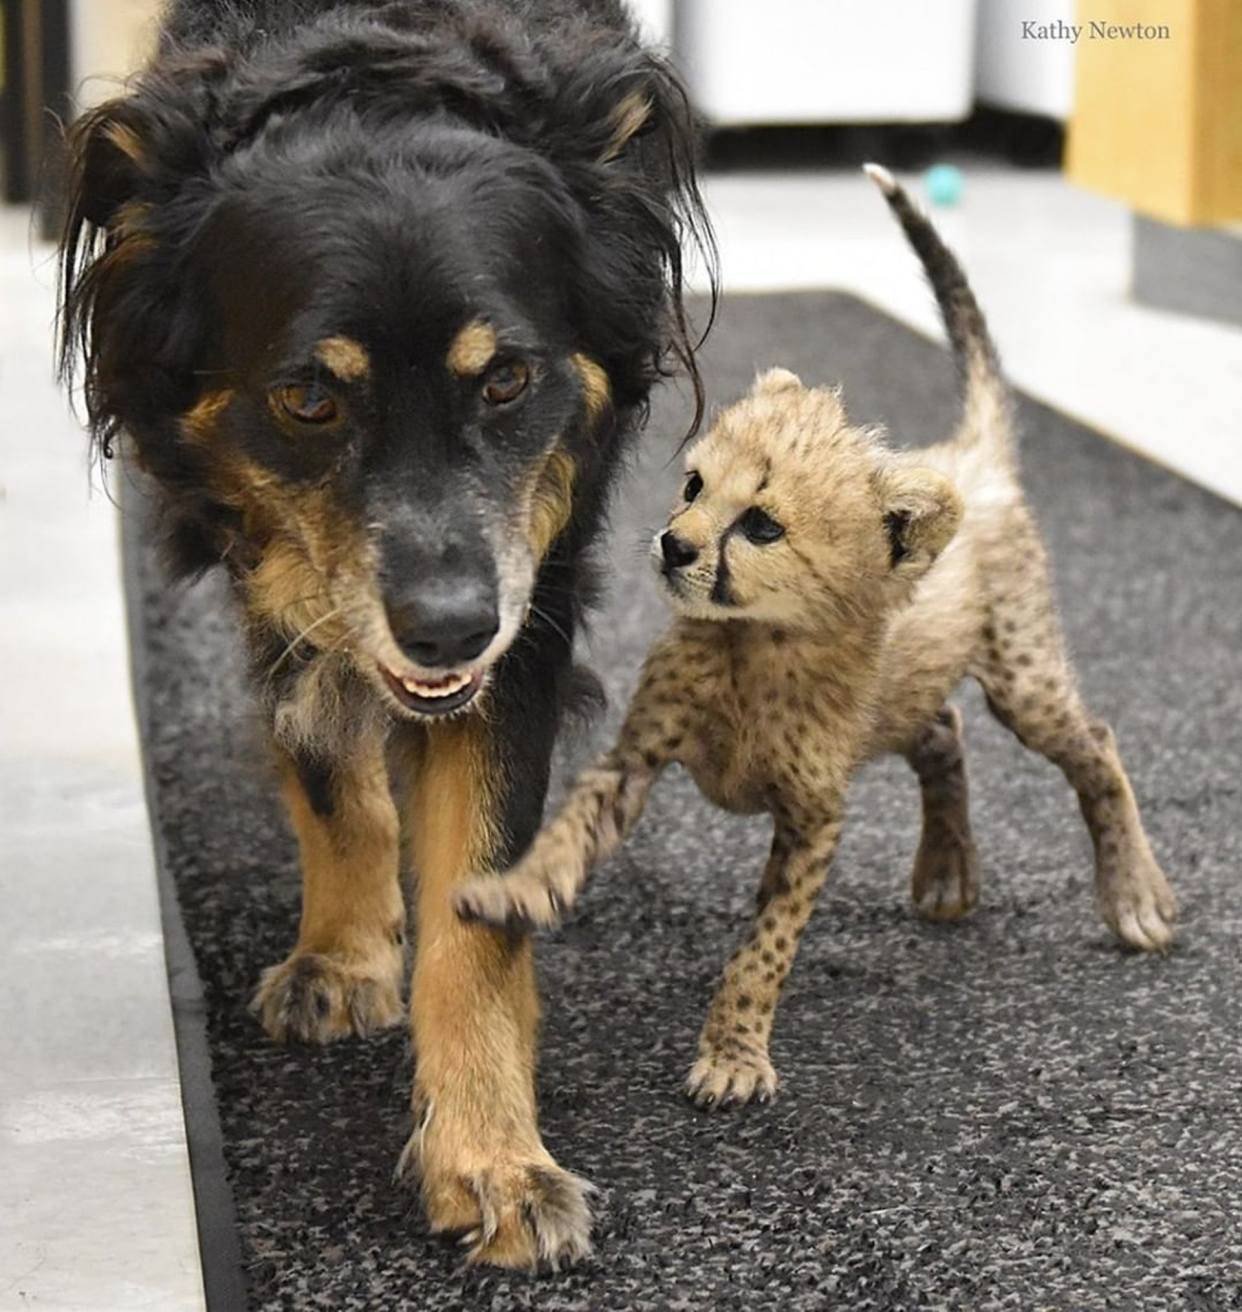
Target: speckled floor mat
[{"x": 1008, "y": 1113}]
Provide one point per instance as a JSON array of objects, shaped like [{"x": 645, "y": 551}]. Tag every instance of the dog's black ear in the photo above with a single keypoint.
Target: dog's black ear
[
  {"x": 620, "y": 128},
  {"x": 633, "y": 116},
  {"x": 124, "y": 310},
  {"x": 111, "y": 152},
  {"x": 148, "y": 141},
  {"x": 922, "y": 511}
]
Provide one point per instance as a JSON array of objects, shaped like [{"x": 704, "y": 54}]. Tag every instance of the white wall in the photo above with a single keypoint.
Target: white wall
[
  {"x": 814, "y": 61},
  {"x": 1036, "y": 77},
  {"x": 108, "y": 39}
]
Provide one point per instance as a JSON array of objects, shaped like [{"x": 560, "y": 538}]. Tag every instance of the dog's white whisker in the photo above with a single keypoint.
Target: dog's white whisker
[{"x": 293, "y": 643}]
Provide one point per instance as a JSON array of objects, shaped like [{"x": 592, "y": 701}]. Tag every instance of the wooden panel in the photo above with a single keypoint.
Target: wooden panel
[
  {"x": 1218, "y": 127},
  {"x": 1158, "y": 118}
]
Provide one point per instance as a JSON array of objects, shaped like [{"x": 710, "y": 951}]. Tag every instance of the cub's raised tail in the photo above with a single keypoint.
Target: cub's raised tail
[{"x": 986, "y": 407}]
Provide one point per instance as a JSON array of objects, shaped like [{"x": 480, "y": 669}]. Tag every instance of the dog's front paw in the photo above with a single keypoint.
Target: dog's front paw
[
  {"x": 730, "y": 1073},
  {"x": 317, "y": 998},
  {"x": 945, "y": 882},
  {"x": 515, "y": 1213},
  {"x": 514, "y": 901},
  {"x": 1137, "y": 903}
]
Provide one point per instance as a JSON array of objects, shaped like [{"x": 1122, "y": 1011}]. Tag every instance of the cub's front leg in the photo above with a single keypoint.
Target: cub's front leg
[
  {"x": 602, "y": 808},
  {"x": 344, "y": 976},
  {"x": 597, "y": 816},
  {"x": 733, "y": 1064}
]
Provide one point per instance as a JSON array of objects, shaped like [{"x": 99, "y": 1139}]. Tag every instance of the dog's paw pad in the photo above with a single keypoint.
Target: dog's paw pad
[{"x": 315, "y": 998}]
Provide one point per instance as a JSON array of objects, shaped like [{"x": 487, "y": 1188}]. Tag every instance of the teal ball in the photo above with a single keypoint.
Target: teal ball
[{"x": 944, "y": 184}]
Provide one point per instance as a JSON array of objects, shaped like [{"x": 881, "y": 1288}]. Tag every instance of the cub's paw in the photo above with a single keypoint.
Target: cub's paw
[
  {"x": 511, "y": 1213},
  {"x": 317, "y": 998},
  {"x": 1136, "y": 902},
  {"x": 729, "y": 1074},
  {"x": 516, "y": 901},
  {"x": 945, "y": 882}
]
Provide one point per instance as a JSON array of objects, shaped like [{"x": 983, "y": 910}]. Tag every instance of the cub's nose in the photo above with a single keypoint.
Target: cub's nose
[
  {"x": 442, "y": 628},
  {"x": 676, "y": 551}
]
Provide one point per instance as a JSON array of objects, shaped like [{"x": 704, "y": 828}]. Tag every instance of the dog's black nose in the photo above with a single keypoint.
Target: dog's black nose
[
  {"x": 676, "y": 551},
  {"x": 443, "y": 628}
]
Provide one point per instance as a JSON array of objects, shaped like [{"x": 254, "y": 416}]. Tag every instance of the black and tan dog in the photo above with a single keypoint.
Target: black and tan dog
[{"x": 375, "y": 293}]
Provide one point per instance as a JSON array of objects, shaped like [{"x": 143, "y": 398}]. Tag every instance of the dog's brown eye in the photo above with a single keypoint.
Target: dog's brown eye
[
  {"x": 694, "y": 485},
  {"x": 506, "y": 383},
  {"x": 306, "y": 403},
  {"x": 759, "y": 527}
]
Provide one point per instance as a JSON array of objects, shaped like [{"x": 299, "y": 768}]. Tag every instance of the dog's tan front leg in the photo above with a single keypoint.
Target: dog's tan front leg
[
  {"x": 733, "y": 1064},
  {"x": 344, "y": 976},
  {"x": 475, "y": 1013}
]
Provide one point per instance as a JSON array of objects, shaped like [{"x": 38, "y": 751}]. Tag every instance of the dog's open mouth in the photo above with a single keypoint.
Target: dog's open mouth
[{"x": 434, "y": 696}]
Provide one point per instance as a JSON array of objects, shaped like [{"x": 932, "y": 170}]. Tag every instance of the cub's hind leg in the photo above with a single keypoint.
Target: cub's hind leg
[
  {"x": 945, "y": 881},
  {"x": 1030, "y": 688}
]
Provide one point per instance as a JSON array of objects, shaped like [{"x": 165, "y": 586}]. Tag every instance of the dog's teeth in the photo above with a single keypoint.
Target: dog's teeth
[{"x": 441, "y": 688}]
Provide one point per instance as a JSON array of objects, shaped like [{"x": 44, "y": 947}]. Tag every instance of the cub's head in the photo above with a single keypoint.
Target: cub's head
[{"x": 790, "y": 516}]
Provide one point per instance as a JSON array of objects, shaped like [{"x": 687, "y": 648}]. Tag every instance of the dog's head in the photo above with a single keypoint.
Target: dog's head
[
  {"x": 790, "y": 516},
  {"x": 371, "y": 306}
]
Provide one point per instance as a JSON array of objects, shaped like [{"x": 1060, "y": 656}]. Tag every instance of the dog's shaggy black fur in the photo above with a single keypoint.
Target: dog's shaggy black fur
[
  {"x": 342, "y": 102},
  {"x": 287, "y": 174}
]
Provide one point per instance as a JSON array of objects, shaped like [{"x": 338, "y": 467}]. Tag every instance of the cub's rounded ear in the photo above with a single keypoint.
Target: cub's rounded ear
[
  {"x": 778, "y": 380},
  {"x": 922, "y": 511}
]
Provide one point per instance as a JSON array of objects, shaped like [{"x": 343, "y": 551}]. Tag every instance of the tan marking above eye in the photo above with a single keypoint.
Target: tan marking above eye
[
  {"x": 347, "y": 359},
  {"x": 472, "y": 349}
]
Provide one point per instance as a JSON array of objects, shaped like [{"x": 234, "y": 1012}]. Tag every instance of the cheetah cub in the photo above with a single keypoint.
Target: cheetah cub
[{"x": 829, "y": 595}]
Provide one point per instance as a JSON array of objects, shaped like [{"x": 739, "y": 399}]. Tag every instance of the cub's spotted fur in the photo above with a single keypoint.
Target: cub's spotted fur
[{"x": 830, "y": 594}]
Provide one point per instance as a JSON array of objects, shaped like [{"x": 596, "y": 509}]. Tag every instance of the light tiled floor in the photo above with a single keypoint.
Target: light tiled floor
[{"x": 95, "y": 1202}]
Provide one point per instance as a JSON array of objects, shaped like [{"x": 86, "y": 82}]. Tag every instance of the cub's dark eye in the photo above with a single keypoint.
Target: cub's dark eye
[
  {"x": 306, "y": 402},
  {"x": 506, "y": 383},
  {"x": 694, "y": 485},
  {"x": 759, "y": 527}
]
